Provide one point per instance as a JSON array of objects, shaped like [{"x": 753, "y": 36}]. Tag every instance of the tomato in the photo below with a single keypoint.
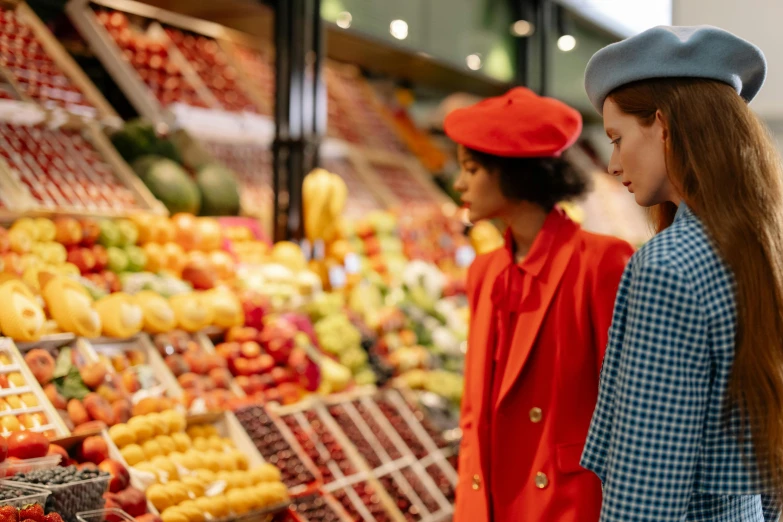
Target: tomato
[{"x": 27, "y": 445}]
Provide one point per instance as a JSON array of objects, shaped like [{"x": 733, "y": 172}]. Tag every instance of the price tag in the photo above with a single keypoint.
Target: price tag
[
  {"x": 464, "y": 256},
  {"x": 337, "y": 277},
  {"x": 352, "y": 263}
]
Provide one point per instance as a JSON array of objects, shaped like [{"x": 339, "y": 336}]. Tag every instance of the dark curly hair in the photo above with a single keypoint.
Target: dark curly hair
[{"x": 543, "y": 181}]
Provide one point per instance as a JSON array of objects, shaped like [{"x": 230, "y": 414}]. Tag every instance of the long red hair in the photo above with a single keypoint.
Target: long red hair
[{"x": 723, "y": 162}]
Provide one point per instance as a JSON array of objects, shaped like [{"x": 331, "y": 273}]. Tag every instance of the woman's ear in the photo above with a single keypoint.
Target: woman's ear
[{"x": 661, "y": 126}]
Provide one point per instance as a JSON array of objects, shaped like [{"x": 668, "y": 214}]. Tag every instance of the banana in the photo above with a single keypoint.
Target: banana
[{"x": 325, "y": 195}]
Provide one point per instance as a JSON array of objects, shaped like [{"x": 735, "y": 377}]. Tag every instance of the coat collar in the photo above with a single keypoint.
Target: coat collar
[
  {"x": 547, "y": 261},
  {"x": 542, "y": 249},
  {"x": 683, "y": 212}
]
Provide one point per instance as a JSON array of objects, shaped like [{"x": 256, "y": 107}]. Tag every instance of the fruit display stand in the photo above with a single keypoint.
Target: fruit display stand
[
  {"x": 357, "y": 449},
  {"x": 218, "y": 84},
  {"x": 141, "y": 370},
  {"x": 150, "y": 58},
  {"x": 403, "y": 182},
  {"x": 70, "y": 170},
  {"x": 176, "y": 454},
  {"x": 37, "y": 69},
  {"x": 24, "y": 402},
  {"x": 186, "y": 358}
]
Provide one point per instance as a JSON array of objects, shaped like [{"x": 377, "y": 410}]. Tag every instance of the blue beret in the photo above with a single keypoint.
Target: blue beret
[{"x": 676, "y": 52}]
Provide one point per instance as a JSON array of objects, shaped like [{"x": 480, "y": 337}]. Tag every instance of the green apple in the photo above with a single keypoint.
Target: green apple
[
  {"x": 129, "y": 233},
  {"x": 137, "y": 258},
  {"x": 118, "y": 260},
  {"x": 110, "y": 234}
]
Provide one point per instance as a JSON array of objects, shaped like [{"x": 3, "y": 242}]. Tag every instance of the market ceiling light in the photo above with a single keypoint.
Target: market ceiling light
[
  {"x": 566, "y": 43},
  {"x": 344, "y": 20},
  {"x": 399, "y": 29},
  {"x": 522, "y": 28},
  {"x": 473, "y": 61}
]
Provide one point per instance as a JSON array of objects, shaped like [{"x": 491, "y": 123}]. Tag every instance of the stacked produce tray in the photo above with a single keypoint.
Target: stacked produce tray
[
  {"x": 23, "y": 404},
  {"x": 373, "y": 456},
  {"x": 219, "y": 85},
  {"x": 173, "y": 69},
  {"x": 358, "y": 116},
  {"x": 408, "y": 187},
  {"x": 34, "y": 67},
  {"x": 68, "y": 170},
  {"x": 362, "y": 196},
  {"x": 278, "y": 446}
]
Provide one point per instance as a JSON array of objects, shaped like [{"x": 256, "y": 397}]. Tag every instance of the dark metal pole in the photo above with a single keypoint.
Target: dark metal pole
[
  {"x": 545, "y": 30},
  {"x": 525, "y": 10},
  {"x": 299, "y": 45}
]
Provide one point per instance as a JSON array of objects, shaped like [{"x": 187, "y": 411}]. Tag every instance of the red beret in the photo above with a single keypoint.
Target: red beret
[{"x": 519, "y": 124}]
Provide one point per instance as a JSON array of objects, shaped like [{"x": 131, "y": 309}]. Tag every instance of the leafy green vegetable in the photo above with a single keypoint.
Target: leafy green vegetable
[
  {"x": 71, "y": 386},
  {"x": 63, "y": 364}
]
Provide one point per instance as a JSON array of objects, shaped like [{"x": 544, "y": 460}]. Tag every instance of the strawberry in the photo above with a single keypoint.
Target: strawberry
[
  {"x": 28, "y": 520},
  {"x": 9, "y": 514},
  {"x": 53, "y": 517},
  {"x": 32, "y": 512}
]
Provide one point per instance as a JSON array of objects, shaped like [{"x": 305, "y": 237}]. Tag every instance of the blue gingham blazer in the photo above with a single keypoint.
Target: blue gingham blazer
[{"x": 660, "y": 440}]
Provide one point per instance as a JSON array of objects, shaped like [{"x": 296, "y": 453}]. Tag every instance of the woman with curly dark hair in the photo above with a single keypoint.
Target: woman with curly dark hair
[{"x": 540, "y": 312}]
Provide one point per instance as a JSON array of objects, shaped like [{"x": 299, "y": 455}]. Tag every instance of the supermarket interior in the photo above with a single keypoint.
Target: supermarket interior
[{"x": 233, "y": 263}]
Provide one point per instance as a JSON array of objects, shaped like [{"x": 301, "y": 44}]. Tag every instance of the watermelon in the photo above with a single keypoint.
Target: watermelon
[
  {"x": 141, "y": 166},
  {"x": 168, "y": 182},
  {"x": 219, "y": 190},
  {"x": 194, "y": 155},
  {"x": 138, "y": 139}
]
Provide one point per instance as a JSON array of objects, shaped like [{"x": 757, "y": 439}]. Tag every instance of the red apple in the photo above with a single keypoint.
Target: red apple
[
  {"x": 200, "y": 274},
  {"x": 68, "y": 231},
  {"x": 280, "y": 349},
  {"x": 282, "y": 375},
  {"x": 290, "y": 393},
  {"x": 262, "y": 382},
  {"x": 120, "y": 478},
  {"x": 91, "y": 231},
  {"x": 113, "y": 280},
  {"x": 250, "y": 349},
  {"x": 41, "y": 364},
  {"x": 308, "y": 371},
  {"x": 55, "y": 449},
  {"x": 241, "y": 334},
  {"x": 264, "y": 363},
  {"x": 3, "y": 449},
  {"x": 229, "y": 351},
  {"x": 83, "y": 258},
  {"x": 101, "y": 257},
  {"x": 256, "y": 308},
  {"x": 242, "y": 367},
  {"x": 244, "y": 382},
  {"x": 94, "y": 449}
]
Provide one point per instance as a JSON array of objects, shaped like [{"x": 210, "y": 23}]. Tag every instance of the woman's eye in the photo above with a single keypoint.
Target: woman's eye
[{"x": 615, "y": 141}]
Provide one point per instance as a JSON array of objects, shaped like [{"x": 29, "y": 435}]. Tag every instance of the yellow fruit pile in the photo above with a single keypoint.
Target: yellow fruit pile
[{"x": 186, "y": 464}]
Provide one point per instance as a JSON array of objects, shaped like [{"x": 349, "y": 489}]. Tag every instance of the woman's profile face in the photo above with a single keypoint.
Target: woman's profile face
[
  {"x": 639, "y": 155},
  {"x": 480, "y": 189}
]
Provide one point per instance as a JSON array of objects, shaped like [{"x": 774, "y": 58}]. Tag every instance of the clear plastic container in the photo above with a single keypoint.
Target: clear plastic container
[
  {"x": 84, "y": 495},
  {"x": 104, "y": 515},
  {"x": 11, "y": 468},
  {"x": 23, "y": 494}
]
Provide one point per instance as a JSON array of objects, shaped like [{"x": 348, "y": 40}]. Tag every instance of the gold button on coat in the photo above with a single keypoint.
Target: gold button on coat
[
  {"x": 476, "y": 482},
  {"x": 541, "y": 480},
  {"x": 536, "y": 415}
]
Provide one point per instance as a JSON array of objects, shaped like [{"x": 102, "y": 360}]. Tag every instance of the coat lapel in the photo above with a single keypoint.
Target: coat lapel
[{"x": 545, "y": 266}]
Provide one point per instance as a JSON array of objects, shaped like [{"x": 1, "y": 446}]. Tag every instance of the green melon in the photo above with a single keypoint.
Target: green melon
[
  {"x": 219, "y": 191},
  {"x": 169, "y": 183}
]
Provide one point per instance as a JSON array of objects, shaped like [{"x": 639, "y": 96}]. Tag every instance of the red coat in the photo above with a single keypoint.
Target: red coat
[{"x": 550, "y": 384}]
